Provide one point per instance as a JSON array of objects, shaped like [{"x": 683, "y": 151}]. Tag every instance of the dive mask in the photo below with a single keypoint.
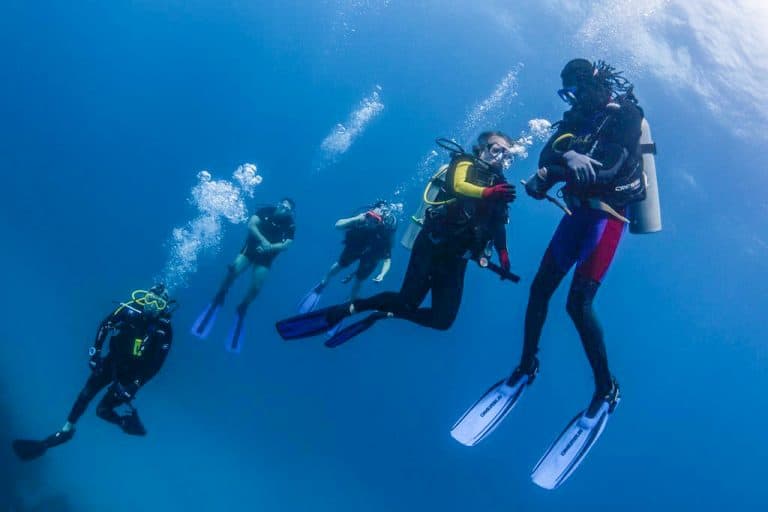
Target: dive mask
[
  {"x": 151, "y": 301},
  {"x": 568, "y": 94},
  {"x": 500, "y": 156}
]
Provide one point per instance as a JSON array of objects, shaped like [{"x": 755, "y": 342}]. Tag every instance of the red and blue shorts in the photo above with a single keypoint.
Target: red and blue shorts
[{"x": 587, "y": 239}]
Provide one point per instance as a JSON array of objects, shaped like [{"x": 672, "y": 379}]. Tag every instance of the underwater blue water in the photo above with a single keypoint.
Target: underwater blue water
[{"x": 108, "y": 111}]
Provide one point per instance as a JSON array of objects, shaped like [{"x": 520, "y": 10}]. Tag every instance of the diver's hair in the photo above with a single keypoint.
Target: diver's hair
[
  {"x": 290, "y": 202},
  {"x": 609, "y": 78},
  {"x": 482, "y": 141}
]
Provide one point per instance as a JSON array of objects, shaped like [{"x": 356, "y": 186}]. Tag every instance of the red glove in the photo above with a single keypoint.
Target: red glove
[
  {"x": 504, "y": 259},
  {"x": 502, "y": 191},
  {"x": 373, "y": 215}
]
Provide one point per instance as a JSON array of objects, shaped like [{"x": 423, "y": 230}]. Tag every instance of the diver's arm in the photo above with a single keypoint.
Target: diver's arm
[
  {"x": 500, "y": 244},
  {"x": 500, "y": 237},
  {"x": 253, "y": 228},
  {"x": 460, "y": 184},
  {"x": 280, "y": 246},
  {"x": 386, "y": 264},
  {"x": 102, "y": 333},
  {"x": 350, "y": 222},
  {"x": 112, "y": 321}
]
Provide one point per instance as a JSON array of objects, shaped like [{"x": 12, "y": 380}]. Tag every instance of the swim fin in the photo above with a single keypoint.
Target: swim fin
[
  {"x": 131, "y": 424},
  {"x": 573, "y": 445},
  {"x": 236, "y": 333},
  {"x": 488, "y": 412},
  {"x": 27, "y": 450},
  {"x": 204, "y": 323},
  {"x": 330, "y": 333},
  {"x": 354, "y": 329},
  {"x": 312, "y": 323},
  {"x": 312, "y": 299}
]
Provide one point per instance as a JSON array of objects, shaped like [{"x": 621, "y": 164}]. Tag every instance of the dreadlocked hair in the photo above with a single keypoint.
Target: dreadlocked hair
[{"x": 615, "y": 81}]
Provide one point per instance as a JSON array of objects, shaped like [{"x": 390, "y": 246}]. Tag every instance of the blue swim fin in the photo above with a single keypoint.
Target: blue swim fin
[
  {"x": 572, "y": 446},
  {"x": 311, "y": 300},
  {"x": 354, "y": 329},
  {"x": 312, "y": 323},
  {"x": 330, "y": 333},
  {"x": 204, "y": 323},
  {"x": 236, "y": 333}
]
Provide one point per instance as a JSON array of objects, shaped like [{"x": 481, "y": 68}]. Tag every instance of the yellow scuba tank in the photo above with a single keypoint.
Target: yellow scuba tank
[
  {"x": 432, "y": 191},
  {"x": 645, "y": 216}
]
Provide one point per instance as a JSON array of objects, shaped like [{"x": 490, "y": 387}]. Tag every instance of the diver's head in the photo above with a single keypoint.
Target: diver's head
[
  {"x": 496, "y": 149},
  {"x": 385, "y": 212},
  {"x": 155, "y": 302},
  {"x": 379, "y": 207},
  {"x": 586, "y": 85},
  {"x": 285, "y": 208}
]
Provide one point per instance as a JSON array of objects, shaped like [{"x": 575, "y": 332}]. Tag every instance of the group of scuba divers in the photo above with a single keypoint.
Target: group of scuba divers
[{"x": 602, "y": 153}]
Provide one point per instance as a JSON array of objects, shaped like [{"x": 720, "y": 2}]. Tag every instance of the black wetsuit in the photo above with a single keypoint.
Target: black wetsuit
[
  {"x": 369, "y": 243},
  {"x": 137, "y": 350},
  {"x": 275, "y": 229},
  {"x": 452, "y": 233},
  {"x": 588, "y": 239}
]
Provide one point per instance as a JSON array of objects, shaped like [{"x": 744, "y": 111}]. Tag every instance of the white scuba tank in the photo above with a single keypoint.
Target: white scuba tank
[{"x": 645, "y": 216}]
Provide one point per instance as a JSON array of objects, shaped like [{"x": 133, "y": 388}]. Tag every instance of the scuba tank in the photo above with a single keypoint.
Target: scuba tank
[
  {"x": 435, "y": 194},
  {"x": 434, "y": 187},
  {"x": 645, "y": 216}
]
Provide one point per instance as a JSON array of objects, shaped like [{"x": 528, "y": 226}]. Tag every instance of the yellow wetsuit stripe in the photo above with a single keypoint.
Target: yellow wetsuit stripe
[{"x": 460, "y": 184}]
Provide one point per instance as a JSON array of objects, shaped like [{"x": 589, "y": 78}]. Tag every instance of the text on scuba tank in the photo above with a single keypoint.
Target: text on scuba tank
[{"x": 628, "y": 186}]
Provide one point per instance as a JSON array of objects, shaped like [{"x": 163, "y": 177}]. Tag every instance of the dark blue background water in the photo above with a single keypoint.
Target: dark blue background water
[{"x": 108, "y": 111}]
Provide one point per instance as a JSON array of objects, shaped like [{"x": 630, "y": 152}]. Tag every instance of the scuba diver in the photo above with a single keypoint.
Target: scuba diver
[
  {"x": 469, "y": 215},
  {"x": 368, "y": 239},
  {"x": 270, "y": 231},
  {"x": 596, "y": 152},
  {"x": 141, "y": 336}
]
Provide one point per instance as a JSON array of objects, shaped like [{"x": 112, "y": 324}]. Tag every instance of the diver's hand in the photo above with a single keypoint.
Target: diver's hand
[
  {"x": 581, "y": 167},
  {"x": 95, "y": 362},
  {"x": 379, "y": 278},
  {"x": 535, "y": 187},
  {"x": 503, "y": 191},
  {"x": 265, "y": 248}
]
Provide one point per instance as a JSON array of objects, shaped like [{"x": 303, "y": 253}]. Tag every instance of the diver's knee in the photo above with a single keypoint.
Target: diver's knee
[
  {"x": 545, "y": 283},
  {"x": 443, "y": 324},
  {"x": 580, "y": 298},
  {"x": 575, "y": 305}
]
